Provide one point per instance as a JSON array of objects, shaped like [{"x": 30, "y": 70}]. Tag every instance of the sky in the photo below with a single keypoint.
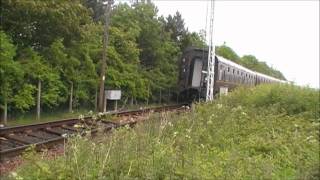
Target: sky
[{"x": 284, "y": 34}]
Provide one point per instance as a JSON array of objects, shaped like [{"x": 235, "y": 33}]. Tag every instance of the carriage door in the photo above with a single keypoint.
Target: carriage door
[{"x": 196, "y": 75}]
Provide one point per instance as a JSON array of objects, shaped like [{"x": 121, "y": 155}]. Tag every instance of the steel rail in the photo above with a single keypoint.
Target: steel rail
[{"x": 18, "y": 138}]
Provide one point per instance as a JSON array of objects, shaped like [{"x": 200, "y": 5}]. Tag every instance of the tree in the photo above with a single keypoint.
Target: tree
[
  {"x": 66, "y": 65},
  {"x": 227, "y": 53},
  {"x": 10, "y": 73},
  {"x": 253, "y": 63},
  {"x": 37, "y": 71},
  {"x": 37, "y": 24},
  {"x": 176, "y": 27}
]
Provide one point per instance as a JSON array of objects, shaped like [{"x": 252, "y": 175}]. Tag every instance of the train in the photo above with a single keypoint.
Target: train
[{"x": 192, "y": 80}]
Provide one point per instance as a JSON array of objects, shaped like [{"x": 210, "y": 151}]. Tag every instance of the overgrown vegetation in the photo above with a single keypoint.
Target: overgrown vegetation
[{"x": 266, "y": 132}]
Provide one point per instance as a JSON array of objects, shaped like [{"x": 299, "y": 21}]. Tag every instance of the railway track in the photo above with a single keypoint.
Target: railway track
[{"x": 14, "y": 140}]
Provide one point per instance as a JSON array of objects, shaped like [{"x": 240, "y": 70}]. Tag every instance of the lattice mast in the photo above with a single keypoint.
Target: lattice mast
[{"x": 211, "y": 57}]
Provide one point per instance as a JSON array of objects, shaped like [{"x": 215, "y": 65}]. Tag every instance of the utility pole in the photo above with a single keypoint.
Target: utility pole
[
  {"x": 211, "y": 58},
  {"x": 104, "y": 55}
]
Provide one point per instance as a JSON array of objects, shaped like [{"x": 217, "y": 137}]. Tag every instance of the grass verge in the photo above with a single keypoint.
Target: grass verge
[{"x": 265, "y": 132}]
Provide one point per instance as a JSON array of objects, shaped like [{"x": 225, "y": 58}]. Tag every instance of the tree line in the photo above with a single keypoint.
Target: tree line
[{"x": 52, "y": 50}]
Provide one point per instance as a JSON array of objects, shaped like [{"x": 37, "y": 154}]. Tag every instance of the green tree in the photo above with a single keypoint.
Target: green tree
[
  {"x": 227, "y": 53},
  {"x": 37, "y": 24},
  {"x": 10, "y": 73},
  {"x": 40, "y": 75},
  {"x": 66, "y": 65}
]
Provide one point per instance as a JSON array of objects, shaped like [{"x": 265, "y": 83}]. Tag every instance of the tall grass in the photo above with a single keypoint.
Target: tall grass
[{"x": 267, "y": 132}]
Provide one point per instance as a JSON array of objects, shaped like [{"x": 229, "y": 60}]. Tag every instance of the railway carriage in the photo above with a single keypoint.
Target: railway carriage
[{"x": 227, "y": 75}]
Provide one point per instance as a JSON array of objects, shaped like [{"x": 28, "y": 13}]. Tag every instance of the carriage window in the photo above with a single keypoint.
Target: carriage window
[
  {"x": 238, "y": 72},
  {"x": 228, "y": 69},
  {"x": 221, "y": 66},
  {"x": 232, "y": 71}
]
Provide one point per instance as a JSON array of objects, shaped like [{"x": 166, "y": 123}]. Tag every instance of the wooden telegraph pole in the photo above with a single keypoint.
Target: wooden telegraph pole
[{"x": 104, "y": 56}]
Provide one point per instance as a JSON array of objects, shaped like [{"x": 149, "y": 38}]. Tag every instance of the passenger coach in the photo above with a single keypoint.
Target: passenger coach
[{"x": 227, "y": 76}]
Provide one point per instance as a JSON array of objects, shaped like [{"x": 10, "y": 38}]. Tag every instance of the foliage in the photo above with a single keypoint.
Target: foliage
[
  {"x": 248, "y": 61},
  {"x": 225, "y": 139},
  {"x": 38, "y": 24},
  {"x": 227, "y": 53},
  {"x": 252, "y": 62}
]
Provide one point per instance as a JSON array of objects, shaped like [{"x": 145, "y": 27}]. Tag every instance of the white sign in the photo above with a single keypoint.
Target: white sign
[{"x": 113, "y": 94}]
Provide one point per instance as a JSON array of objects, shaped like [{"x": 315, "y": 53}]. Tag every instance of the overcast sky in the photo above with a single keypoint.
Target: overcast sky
[{"x": 285, "y": 34}]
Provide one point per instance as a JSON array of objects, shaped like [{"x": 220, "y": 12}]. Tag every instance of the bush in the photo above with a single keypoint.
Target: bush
[
  {"x": 240, "y": 136},
  {"x": 288, "y": 99}
]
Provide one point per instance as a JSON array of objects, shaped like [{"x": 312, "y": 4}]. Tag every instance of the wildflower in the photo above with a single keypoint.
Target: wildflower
[
  {"x": 175, "y": 134},
  {"x": 81, "y": 117},
  {"x": 309, "y": 137},
  {"x": 170, "y": 124},
  {"x": 64, "y": 135},
  {"x": 189, "y": 130},
  {"x": 219, "y": 106},
  {"x": 209, "y": 122},
  {"x": 90, "y": 112},
  {"x": 100, "y": 114},
  {"x": 244, "y": 113},
  {"x": 187, "y": 136},
  {"x": 296, "y": 125},
  {"x": 202, "y": 146},
  {"x": 14, "y": 174}
]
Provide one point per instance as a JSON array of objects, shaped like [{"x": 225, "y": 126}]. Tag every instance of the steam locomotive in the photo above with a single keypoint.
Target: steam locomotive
[{"x": 227, "y": 75}]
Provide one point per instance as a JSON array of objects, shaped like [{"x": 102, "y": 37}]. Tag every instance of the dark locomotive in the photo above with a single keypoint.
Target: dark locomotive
[{"x": 227, "y": 75}]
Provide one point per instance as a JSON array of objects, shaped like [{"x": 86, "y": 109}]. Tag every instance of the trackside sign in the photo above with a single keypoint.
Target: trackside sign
[{"x": 113, "y": 94}]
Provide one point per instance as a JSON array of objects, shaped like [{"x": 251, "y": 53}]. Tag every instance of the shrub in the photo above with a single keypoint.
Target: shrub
[{"x": 240, "y": 136}]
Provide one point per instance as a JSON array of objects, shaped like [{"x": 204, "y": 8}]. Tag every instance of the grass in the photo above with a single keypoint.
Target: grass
[
  {"x": 30, "y": 118},
  {"x": 267, "y": 132}
]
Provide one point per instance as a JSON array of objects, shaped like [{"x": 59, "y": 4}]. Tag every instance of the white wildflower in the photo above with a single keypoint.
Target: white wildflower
[
  {"x": 175, "y": 134},
  {"x": 100, "y": 114},
  {"x": 81, "y": 117},
  {"x": 309, "y": 137},
  {"x": 90, "y": 112},
  {"x": 64, "y": 135},
  {"x": 202, "y": 145},
  {"x": 244, "y": 113},
  {"x": 13, "y": 174},
  {"x": 296, "y": 125},
  {"x": 209, "y": 122},
  {"x": 187, "y": 136}
]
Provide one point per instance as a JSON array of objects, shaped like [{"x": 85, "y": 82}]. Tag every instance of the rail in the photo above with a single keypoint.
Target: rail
[{"x": 14, "y": 140}]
